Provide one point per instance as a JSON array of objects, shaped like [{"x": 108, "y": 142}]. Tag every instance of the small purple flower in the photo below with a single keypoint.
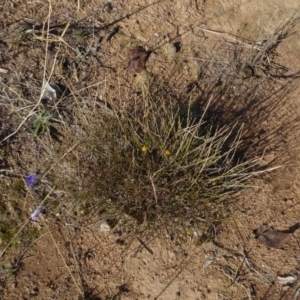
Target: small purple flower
[
  {"x": 36, "y": 213},
  {"x": 31, "y": 180}
]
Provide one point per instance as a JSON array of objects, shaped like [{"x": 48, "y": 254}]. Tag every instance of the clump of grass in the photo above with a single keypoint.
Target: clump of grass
[{"x": 166, "y": 168}]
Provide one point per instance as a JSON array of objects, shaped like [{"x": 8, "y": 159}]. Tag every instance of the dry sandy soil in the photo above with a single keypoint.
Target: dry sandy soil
[{"x": 75, "y": 259}]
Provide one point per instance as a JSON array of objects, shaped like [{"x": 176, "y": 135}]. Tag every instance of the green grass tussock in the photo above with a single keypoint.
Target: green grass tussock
[{"x": 165, "y": 167}]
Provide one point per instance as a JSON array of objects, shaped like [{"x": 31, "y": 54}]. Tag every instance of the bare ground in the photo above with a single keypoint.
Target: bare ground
[{"x": 72, "y": 258}]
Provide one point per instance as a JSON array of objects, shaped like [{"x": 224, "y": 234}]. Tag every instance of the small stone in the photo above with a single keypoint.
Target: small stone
[
  {"x": 4, "y": 71},
  {"x": 208, "y": 262},
  {"x": 286, "y": 280},
  {"x": 48, "y": 92},
  {"x": 104, "y": 227}
]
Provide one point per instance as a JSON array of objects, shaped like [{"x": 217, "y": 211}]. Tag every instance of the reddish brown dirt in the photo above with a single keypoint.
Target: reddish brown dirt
[{"x": 67, "y": 261}]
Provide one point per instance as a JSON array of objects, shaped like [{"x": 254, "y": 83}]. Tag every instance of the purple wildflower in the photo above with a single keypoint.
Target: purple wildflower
[
  {"x": 31, "y": 180},
  {"x": 36, "y": 213}
]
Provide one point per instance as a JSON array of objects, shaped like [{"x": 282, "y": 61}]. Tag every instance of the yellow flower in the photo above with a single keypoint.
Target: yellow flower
[
  {"x": 189, "y": 231},
  {"x": 144, "y": 149},
  {"x": 167, "y": 152}
]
